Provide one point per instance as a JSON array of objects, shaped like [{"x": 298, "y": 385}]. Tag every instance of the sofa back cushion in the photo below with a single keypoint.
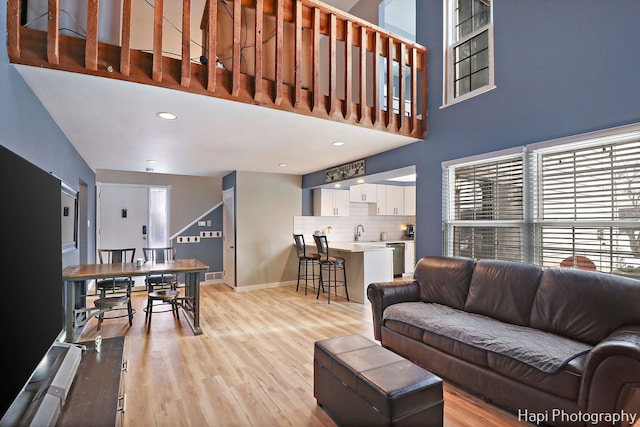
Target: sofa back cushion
[
  {"x": 444, "y": 280},
  {"x": 585, "y": 305},
  {"x": 503, "y": 290}
]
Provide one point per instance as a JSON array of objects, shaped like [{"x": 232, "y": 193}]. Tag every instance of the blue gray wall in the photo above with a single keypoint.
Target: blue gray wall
[
  {"x": 561, "y": 68},
  {"x": 27, "y": 129}
]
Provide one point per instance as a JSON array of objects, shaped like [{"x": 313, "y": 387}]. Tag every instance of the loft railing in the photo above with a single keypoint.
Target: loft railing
[{"x": 295, "y": 55}]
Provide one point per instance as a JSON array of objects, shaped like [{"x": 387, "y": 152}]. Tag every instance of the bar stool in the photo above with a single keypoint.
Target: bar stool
[
  {"x": 308, "y": 260},
  {"x": 331, "y": 264}
]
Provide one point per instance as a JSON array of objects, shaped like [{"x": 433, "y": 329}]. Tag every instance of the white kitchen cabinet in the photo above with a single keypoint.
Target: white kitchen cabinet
[
  {"x": 410, "y": 200},
  {"x": 329, "y": 202},
  {"x": 395, "y": 200},
  {"x": 363, "y": 193},
  {"x": 409, "y": 256},
  {"x": 381, "y": 199}
]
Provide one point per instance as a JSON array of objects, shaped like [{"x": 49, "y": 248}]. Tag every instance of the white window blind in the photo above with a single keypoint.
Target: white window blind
[
  {"x": 571, "y": 204},
  {"x": 484, "y": 216},
  {"x": 589, "y": 206}
]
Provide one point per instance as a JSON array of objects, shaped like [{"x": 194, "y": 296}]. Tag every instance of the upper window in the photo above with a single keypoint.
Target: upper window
[{"x": 469, "y": 49}]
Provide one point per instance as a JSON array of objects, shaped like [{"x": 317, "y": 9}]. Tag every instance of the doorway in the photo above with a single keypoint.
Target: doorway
[{"x": 228, "y": 236}]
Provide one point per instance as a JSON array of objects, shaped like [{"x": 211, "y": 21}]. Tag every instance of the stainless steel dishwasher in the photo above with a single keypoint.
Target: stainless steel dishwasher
[{"x": 398, "y": 258}]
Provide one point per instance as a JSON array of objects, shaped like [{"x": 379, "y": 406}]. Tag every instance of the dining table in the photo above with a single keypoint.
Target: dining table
[{"x": 76, "y": 278}]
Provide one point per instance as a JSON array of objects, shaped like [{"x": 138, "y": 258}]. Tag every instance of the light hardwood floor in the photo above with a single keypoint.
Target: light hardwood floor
[{"x": 253, "y": 366}]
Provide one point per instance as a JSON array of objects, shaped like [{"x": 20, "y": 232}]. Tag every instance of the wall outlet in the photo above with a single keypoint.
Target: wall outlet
[
  {"x": 188, "y": 239},
  {"x": 210, "y": 234},
  {"x": 202, "y": 223}
]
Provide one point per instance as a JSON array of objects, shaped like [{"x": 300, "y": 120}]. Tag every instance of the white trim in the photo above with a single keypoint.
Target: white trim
[
  {"x": 492, "y": 156},
  {"x": 469, "y": 95},
  {"x": 264, "y": 286},
  {"x": 195, "y": 221},
  {"x": 615, "y": 134}
]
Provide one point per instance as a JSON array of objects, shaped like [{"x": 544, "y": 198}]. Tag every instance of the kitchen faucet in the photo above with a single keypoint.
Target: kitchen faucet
[{"x": 358, "y": 227}]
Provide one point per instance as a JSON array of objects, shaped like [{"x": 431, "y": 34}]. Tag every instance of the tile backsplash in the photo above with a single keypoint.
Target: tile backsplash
[{"x": 343, "y": 228}]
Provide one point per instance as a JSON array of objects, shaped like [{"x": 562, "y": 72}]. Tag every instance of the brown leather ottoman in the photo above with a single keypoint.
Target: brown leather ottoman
[{"x": 359, "y": 383}]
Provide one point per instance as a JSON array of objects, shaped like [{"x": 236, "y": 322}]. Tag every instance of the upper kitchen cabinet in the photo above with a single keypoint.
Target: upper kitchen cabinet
[
  {"x": 381, "y": 200},
  {"x": 328, "y": 202},
  {"x": 363, "y": 193},
  {"x": 410, "y": 200},
  {"x": 395, "y": 200}
]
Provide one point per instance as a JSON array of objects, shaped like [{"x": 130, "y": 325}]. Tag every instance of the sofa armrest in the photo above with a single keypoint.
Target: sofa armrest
[
  {"x": 383, "y": 294},
  {"x": 611, "y": 380}
]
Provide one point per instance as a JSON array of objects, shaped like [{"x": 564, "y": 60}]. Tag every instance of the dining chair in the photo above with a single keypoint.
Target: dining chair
[
  {"x": 331, "y": 264},
  {"x": 115, "y": 292},
  {"x": 307, "y": 260},
  {"x": 161, "y": 280}
]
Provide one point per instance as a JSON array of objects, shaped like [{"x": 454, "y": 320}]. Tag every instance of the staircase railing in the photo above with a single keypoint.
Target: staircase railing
[{"x": 301, "y": 56}]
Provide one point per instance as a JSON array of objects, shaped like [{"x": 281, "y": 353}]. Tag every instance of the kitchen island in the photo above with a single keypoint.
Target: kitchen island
[{"x": 366, "y": 262}]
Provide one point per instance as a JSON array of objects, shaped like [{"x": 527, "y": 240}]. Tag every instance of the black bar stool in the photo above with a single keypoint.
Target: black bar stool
[
  {"x": 331, "y": 264},
  {"x": 308, "y": 260}
]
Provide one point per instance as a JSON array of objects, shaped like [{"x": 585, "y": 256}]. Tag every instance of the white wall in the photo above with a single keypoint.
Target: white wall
[{"x": 265, "y": 207}]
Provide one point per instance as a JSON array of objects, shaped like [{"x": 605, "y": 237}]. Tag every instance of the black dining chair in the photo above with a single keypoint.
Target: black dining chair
[
  {"x": 115, "y": 292},
  {"x": 330, "y": 264}
]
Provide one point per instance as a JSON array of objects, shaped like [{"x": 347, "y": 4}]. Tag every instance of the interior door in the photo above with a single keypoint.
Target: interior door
[{"x": 229, "y": 237}]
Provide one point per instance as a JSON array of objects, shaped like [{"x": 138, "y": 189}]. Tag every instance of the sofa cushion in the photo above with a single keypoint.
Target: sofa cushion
[
  {"x": 585, "y": 305},
  {"x": 564, "y": 383},
  {"x": 444, "y": 280},
  {"x": 544, "y": 351},
  {"x": 503, "y": 290}
]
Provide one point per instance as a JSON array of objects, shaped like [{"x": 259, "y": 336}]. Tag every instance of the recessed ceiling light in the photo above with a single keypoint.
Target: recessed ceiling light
[
  {"x": 337, "y": 143},
  {"x": 360, "y": 181},
  {"x": 166, "y": 116},
  {"x": 152, "y": 161},
  {"x": 337, "y": 185},
  {"x": 283, "y": 165}
]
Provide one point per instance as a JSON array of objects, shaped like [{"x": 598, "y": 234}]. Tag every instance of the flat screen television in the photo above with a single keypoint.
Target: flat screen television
[{"x": 32, "y": 311}]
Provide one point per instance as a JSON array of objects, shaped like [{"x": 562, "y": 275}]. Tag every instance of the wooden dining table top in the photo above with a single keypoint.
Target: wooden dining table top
[{"x": 89, "y": 271}]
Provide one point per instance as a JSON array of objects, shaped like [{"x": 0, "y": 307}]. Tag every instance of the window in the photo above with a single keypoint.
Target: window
[
  {"x": 574, "y": 201},
  {"x": 469, "y": 49},
  {"x": 484, "y": 212}
]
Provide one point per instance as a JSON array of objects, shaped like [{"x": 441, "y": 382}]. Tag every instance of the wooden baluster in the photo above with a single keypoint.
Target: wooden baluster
[
  {"x": 348, "y": 70},
  {"x": 317, "y": 96},
  {"x": 402, "y": 88},
  {"x": 391, "y": 117},
  {"x": 375, "y": 71},
  {"x": 125, "y": 50},
  {"x": 298, "y": 55},
  {"x": 237, "y": 40},
  {"x": 414, "y": 90},
  {"x": 185, "y": 78},
  {"x": 279, "y": 51},
  {"x": 157, "y": 41},
  {"x": 423, "y": 70},
  {"x": 53, "y": 35},
  {"x": 91, "y": 44},
  {"x": 257, "y": 84},
  {"x": 212, "y": 31},
  {"x": 333, "y": 40},
  {"x": 13, "y": 28},
  {"x": 365, "y": 117}
]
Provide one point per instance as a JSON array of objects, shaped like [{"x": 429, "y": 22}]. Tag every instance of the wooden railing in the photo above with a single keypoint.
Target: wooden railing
[{"x": 295, "y": 55}]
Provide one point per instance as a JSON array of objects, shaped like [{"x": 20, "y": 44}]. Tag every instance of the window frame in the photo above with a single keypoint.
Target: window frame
[
  {"x": 622, "y": 142},
  {"x": 450, "y": 43}
]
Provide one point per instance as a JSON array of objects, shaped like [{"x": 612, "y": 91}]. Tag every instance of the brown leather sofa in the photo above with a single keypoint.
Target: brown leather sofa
[{"x": 555, "y": 346}]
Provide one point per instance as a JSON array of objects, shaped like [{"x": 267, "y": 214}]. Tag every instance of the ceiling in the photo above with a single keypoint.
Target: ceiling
[{"x": 114, "y": 125}]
